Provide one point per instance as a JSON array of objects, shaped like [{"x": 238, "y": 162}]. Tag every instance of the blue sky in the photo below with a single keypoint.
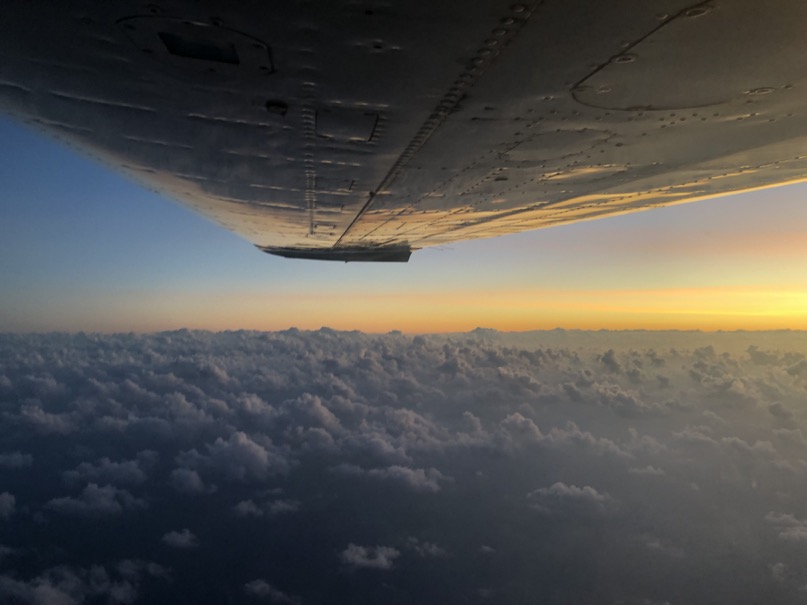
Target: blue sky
[{"x": 83, "y": 248}]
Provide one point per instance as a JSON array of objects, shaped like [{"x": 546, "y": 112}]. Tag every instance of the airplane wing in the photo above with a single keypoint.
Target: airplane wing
[{"x": 365, "y": 129}]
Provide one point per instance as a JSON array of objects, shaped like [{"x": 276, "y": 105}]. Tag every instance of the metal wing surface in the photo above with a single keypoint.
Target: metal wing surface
[{"x": 364, "y": 129}]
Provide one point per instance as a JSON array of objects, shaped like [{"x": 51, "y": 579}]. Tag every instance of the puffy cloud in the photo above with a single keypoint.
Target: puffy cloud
[
  {"x": 780, "y": 412},
  {"x": 610, "y": 361},
  {"x": 180, "y": 539},
  {"x": 647, "y": 470},
  {"x": 264, "y": 590},
  {"x": 560, "y": 498},
  {"x": 45, "y": 422},
  {"x": 428, "y": 445},
  {"x": 188, "y": 481},
  {"x": 238, "y": 458},
  {"x": 7, "y": 504},
  {"x": 16, "y": 460},
  {"x": 95, "y": 500},
  {"x": 518, "y": 430},
  {"x": 623, "y": 402},
  {"x": 248, "y": 508},
  {"x": 369, "y": 557},
  {"x": 573, "y": 436},
  {"x": 66, "y": 585},
  {"x": 790, "y": 528},
  {"x": 695, "y": 435},
  {"x": 127, "y": 472},
  {"x": 417, "y": 479},
  {"x": 425, "y": 549}
]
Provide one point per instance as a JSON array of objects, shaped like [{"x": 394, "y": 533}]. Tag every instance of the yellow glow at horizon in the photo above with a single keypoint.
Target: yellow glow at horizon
[{"x": 716, "y": 308}]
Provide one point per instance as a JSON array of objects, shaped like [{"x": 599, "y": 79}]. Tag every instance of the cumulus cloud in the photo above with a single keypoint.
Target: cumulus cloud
[
  {"x": 518, "y": 430},
  {"x": 97, "y": 501},
  {"x": 127, "y": 472},
  {"x": 238, "y": 458},
  {"x": 647, "y": 470},
  {"x": 572, "y": 436},
  {"x": 789, "y": 527},
  {"x": 425, "y": 549},
  {"x": 7, "y": 505},
  {"x": 369, "y": 557},
  {"x": 288, "y": 446},
  {"x": 248, "y": 508},
  {"x": 45, "y": 422},
  {"x": 16, "y": 460},
  {"x": 67, "y": 585},
  {"x": 188, "y": 481},
  {"x": 264, "y": 590},
  {"x": 560, "y": 498},
  {"x": 180, "y": 539},
  {"x": 416, "y": 479}
]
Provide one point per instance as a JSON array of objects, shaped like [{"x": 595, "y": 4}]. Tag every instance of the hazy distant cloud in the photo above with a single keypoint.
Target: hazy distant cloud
[
  {"x": 66, "y": 585},
  {"x": 7, "y": 504},
  {"x": 181, "y": 539},
  {"x": 238, "y": 458},
  {"x": 425, "y": 549},
  {"x": 264, "y": 590},
  {"x": 560, "y": 498},
  {"x": 16, "y": 460},
  {"x": 647, "y": 470},
  {"x": 370, "y": 557},
  {"x": 417, "y": 479},
  {"x": 344, "y": 451},
  {"x": 573, "y": 436},
  {"x": 248, "y": 508},
  {"x": 518, "y": 430},
  {"x": 789, "y": 527},
  {"x": 46, "y": 422},
  {"x": 188, "y": 481},
  {"x": 95, "y": 500},
  {"x": 781, "y": 412},
  {"x": 127, "y": 472}
]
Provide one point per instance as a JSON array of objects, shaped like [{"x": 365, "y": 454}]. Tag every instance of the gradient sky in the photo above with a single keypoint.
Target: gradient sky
[{"x": 82, "y": 248}]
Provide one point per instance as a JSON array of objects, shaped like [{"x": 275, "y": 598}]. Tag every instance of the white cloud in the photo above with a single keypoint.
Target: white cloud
[
  {"x": 7, "y": 505},
  {"x": 188, "y": 481},
  {"x": 425, "y": 549},
  {"x": 181, "y": 539},
  {"x": 560, "y": 498},
  {"x": 647, "y": 470},
  {"x": 248, "y": 508},
  {"x": 16, "y": 460},
  {"x": 127, "y": 472},
  {"x": 369, "y": 557},
  {"x": 66, "y": 585},
  {"x": 416, "y": 479},
  {"x": 95, "y": 500},
  {"x": 790, "y": 528},
  {"x": 317, "y": 438},
  {"x": 264, "y": 590},
  {"x": 238, "y": 458}
]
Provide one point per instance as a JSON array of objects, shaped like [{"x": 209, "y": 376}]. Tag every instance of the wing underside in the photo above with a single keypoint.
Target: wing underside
[{"x": 359, "y": 130}]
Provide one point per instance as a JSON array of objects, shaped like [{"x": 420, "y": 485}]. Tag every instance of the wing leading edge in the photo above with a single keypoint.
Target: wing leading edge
[{"x": 362, "y": 131}]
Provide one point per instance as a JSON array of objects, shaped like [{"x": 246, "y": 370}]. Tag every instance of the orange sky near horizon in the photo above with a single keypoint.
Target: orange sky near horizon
[{"x": 720, "y": 308}]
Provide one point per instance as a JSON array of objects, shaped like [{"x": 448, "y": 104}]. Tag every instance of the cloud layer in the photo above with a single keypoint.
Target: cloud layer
[{"x": 319, "y": 467}]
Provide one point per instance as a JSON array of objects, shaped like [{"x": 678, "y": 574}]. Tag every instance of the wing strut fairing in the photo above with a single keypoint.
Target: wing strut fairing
[{"x": 359, "y": 130}]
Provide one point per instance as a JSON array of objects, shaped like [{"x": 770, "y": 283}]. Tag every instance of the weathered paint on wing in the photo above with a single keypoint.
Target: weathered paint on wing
[{"x": 360, "y": 130}]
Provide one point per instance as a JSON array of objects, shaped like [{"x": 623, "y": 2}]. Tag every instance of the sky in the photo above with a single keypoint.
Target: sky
[{"x": 82, "y": 248}]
